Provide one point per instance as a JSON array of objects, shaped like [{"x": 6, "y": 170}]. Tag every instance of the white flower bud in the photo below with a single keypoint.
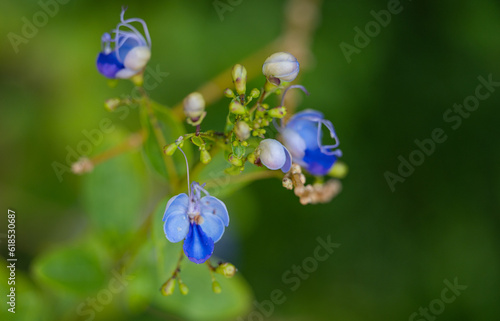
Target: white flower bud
[
  {"x": 242, "y": 130},
  {"x": 194, "y": 105},
  {"x": 137, "y": 58},
  {"x": 274, "y": 155},
  {"x": 281, "y": 65}
]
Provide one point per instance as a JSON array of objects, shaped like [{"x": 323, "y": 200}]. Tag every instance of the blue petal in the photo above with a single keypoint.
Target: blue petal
[
  {"x": 198, "y": 246},
  {"x": 128, "y": 45},
  {"x": 108, "y": 65},
  {"x": 307, "y": 130},
  {"x": 308, "y": 113},
  {"x": 288, "y": 161},
  {"x": 176, "y": 227},
  {"x": 212, "y": 226},
  {"x": 317, "y": 162},
  {"x": 212, "y": 205},
  {"x": 176, "y": 205}
]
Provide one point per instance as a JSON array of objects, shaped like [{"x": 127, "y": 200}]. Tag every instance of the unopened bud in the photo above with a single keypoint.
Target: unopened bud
[
  {"x": 228, "y": 93},
  {"x": 205, "y": 156},
  {"x": 183, "y": 288},
  {"x": 236, "y": 108},
  {"x": 194, "y": 105},
  {"x": 251, "y": 158},
  {"x": 278, "y": 112},
  {"x": 169, "y": 150},
  {"x": 216, "y": 287},
  {"x": 235, "y": 160},
  {"x": 339, "y": 170},
  {"x": 280, "y": 66},
  {"x": 82, "y": 166},
  {"x": 168, "y": 287},
  {"x": 227, "y": 269},
  {"x": 112, "y": 103},
  {"x": 239, "y": 74},
  {"x": 255, "y": 93},
  {"x": 242, "y": 130}
]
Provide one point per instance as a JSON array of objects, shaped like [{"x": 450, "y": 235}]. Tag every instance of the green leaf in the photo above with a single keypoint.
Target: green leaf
[
  {"x": 200, "y": 304},
  {"x": 238, "y": 150},
  {"x": 30, "y": 304},
  {"x": 76, "y": 268},
  {"x": 171, "y": 129},
  {"x": 114, "y": 193}
]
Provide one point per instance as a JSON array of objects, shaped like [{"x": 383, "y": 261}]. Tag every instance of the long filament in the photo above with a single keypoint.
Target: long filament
[{"x": 187, "y": 169}]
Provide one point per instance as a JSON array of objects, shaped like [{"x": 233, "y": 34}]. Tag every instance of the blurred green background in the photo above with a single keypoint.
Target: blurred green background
[{"x": 396, "y": 248}]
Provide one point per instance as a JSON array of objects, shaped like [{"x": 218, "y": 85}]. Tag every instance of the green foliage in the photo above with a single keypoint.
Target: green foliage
[
  {"x": 77, "y": 268},
  {"x": 113, "y": 194},
  {"x": 171, "y": 129}
]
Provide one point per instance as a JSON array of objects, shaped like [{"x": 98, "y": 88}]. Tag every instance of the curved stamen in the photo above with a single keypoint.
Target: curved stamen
[
  {"x": 291, "y": 87},
  {"x": 187, "y": 165},
  {"x": 144, "y": 26},
  {"x": 133, "y": 31},
  {"x": 283, "y": 99},
  {"x": 326, "y": 149},
  {"x": 122, "y": 14}
]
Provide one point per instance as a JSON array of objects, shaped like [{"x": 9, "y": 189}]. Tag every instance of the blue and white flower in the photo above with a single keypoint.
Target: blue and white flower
[
  {"x": 198, "y": 220},
  {"x": 274, "y": 155},
  {"x": 126, "y": 51},
  {"x": 303, "y": 135}
]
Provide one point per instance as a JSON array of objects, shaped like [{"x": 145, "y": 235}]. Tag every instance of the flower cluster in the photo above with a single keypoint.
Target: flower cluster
[{"x": 251, "y": 136}]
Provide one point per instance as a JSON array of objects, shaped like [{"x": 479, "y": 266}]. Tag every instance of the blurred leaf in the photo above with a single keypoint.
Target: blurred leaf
[
  {"x": 201, "y": 303},
  {"x": 75, "y": 268},
  {"x": 113, "y": 194},
  {"x": 171, "y": 129},
  {"x": 30, "y": 304},
  {"x": 144, "y": 283}
]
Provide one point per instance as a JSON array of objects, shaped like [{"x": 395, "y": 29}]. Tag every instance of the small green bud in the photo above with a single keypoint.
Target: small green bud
[
  {"x": 205, "y": 157},
  {"x": 112, "y": 103},
  {"x": 169, "y": 150},
  {"x": 183, "y": 288},
  {"x": 251, "y": 158},
  {"x": 138, "y": 79},
  {"x": 262, "y": 131},
  {"x": 228, "y": 93},
  {"x": 239, "y": 74},
  {"x": 242, "y": 130},
  {"x": 339, "y": 170},
  {"x": 255, "y": 93},
  {"x": 168, "y": 287},
  {"x": 244, "y": 143},
  {"x": 216, "y": 287},
  {"x": 278, "y": 112},
  {"x": 227, "y": 269},
  {"x": 236, "y": 108},
  {"x": 235, "y": 160}
]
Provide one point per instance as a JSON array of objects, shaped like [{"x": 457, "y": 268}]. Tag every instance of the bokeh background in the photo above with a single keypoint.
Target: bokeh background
[{"x": 396, "y": 248}]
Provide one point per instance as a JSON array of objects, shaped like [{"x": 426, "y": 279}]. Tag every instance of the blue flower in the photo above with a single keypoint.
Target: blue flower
[
  {"x": 130, "y": 51},
  {"x": 302, "y": 136},
  {"x": 198, "y": 220}
]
